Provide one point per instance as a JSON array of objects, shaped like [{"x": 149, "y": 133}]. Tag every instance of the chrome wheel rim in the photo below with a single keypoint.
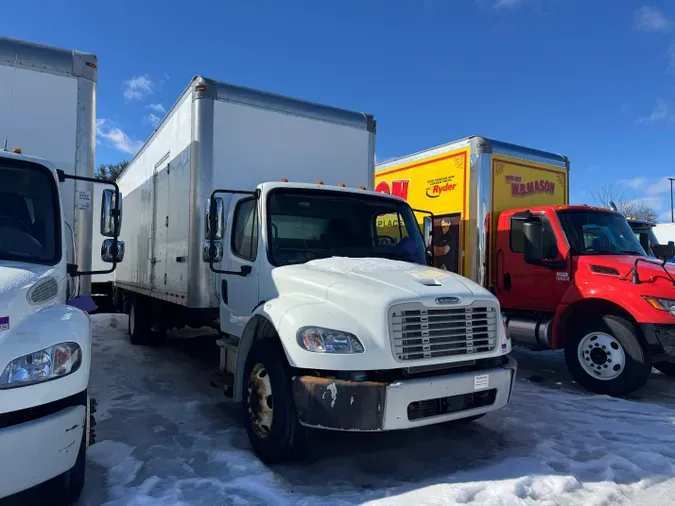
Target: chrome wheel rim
[
  {"x": 260, "y": 401},
  {"x": 601, "y": 356}
]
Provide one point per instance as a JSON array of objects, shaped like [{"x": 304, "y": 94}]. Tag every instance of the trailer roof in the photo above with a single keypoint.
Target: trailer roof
[
  {"x": 44, "y": 58},
  {"x": 481, "y": 144}
]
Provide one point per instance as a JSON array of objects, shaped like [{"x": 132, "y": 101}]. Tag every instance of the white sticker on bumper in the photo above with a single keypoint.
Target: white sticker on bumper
[{"x": 481, "y": 382}]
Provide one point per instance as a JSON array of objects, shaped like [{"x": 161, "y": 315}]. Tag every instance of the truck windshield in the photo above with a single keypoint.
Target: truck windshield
[
  {"x": 29, "y": 230},
  {"x": 599, "y": 233},
  {"x": 306, "y": 224}
]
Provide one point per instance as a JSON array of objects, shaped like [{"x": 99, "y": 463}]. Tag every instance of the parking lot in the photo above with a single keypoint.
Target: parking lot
[{"x": 164, "y": 436}]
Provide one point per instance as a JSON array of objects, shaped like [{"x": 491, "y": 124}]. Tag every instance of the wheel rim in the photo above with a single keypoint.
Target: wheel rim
[
  {"x": 601, "y": 356},
  {"x": 260, "y": 401}
]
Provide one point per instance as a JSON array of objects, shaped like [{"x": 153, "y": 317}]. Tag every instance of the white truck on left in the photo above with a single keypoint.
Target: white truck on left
[{"x": 47, "y": 126}]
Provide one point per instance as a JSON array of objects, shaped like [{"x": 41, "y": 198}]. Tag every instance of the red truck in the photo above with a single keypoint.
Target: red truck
[{"x": 567, "y": 277}]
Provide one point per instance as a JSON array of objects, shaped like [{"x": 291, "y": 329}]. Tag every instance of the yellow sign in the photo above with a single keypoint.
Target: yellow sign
[
  {"x": 436, "y": 184},
  {"x": 524, "y": 184}
]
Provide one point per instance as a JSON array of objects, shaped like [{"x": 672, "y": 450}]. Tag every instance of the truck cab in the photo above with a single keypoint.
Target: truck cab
[
  {"x": 577, "y": 278},
  {"x": 332, "y": 319},
  {"x": 45, "y": 334}
]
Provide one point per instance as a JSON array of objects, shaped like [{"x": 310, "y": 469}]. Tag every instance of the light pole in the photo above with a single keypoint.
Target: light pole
[{"x": 672, "y": 210}]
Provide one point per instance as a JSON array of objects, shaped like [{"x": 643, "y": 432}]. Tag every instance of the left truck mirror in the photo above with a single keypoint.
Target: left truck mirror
[
  {"x": 110, "y": 223},
  {"x": 112, "y": 251}
]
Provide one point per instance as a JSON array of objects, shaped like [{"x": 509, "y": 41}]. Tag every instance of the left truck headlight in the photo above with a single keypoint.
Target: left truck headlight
[
  {"x": 321, "y": 340},
  {"x": 43, "y": 365},
  {"x": 661, "y": 304}
]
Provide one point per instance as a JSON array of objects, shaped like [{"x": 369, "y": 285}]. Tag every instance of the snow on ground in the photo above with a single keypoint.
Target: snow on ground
[{"x": 164, "y": 436}]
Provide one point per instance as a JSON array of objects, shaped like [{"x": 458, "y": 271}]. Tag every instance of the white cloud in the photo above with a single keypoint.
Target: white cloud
[
  {"x": 651, "y": 19},
  {"x": 116, "y": 137},
  {"x": 636, "y": 183},
  {"x": 657, "y": 187},
  {"x": 152, "y": 119},
  {"x": 158, "y": 108},
  {"x": 138, "y": 88},
  {"x": 510, "y": 3},
  {"x": 661, "y": 112}
]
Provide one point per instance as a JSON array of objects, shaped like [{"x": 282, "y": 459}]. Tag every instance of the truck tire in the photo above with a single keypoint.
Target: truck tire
[
  {"x": 608, "y": 355},
  {"x": 270, "y": 417},
  {"x": 667, "y": 368},
  {"x": 139, "y": 323}
]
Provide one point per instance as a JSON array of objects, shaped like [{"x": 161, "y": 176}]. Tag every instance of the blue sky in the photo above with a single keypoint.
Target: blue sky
[{"x": 593, "y": 79}]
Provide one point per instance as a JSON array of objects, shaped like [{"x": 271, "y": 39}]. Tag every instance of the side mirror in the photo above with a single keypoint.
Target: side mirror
[
  {"x": 664, "y": 251},
  {"x": 427, "y": 231},
  {"x": 112, "y": 251},
  {"x": 111, "y": 221},
  {"x": 534, "y": 243},
  {"x": 212, "y": 252},
  {"x": 215, "y": 219}
]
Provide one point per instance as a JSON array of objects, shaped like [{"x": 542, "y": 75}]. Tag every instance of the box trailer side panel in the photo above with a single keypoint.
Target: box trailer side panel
[
  {"x": 253, "y": 145},
  {"x": 437, "y": 182},
  {"x": 507, "y": 176},
  {"x": 665, "y": 232},
  {"x": 155, "y": 192},
  {"x": 47, "y": 109}
]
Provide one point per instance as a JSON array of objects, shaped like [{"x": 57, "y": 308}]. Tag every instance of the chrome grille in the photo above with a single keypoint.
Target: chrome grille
[{"x": 418, "y": 332}]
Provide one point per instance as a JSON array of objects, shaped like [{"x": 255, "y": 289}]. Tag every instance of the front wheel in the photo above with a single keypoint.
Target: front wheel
[
  {"x": 269, "y": 409},
  {"x": 607, "y": 355},
  {"x": 667, "y": 368}
]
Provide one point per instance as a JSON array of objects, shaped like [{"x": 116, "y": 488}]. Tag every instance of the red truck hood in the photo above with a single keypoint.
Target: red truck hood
[{"x": 649, "y": 269}]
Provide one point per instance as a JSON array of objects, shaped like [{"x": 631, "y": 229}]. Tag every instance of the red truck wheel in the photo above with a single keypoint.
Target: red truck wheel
[{"x": 607, "y": 355}]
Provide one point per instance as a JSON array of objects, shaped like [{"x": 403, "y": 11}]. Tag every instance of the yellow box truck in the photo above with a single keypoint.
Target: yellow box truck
[{"x": 466, "y": 184}]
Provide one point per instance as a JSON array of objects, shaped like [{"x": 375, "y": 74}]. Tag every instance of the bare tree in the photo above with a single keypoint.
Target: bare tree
[{"x": 636, "y": 208}]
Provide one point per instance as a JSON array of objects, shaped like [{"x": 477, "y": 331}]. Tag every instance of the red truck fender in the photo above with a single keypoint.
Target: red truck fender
[{"x": 586, "y": 299}]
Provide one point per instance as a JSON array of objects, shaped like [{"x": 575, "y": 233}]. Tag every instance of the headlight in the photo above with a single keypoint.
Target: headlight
[
  {"x": 320, "y": 340},
  {"x": 662, "y": 304},
  {"x": 44, "y": 365}
]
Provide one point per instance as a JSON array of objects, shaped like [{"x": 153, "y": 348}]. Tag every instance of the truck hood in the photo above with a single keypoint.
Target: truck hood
[
  {"x": 375, "y": 281},
  {"x": 16, "y": 280},
  {"x": 649, "y": 269}
]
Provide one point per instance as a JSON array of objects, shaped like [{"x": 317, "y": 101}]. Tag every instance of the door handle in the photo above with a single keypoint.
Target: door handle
[{"x": 244, "y": 271}]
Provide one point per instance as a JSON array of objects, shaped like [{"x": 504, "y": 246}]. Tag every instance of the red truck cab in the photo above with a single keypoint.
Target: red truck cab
[{"x": 576, "y": 278}]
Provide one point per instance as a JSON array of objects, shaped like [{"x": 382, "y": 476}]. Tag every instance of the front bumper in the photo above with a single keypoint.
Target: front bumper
[
  {"x": 661, "y": 339},
  {"x": 377, "y": 406},
  {"x": 40, "y": 449}
]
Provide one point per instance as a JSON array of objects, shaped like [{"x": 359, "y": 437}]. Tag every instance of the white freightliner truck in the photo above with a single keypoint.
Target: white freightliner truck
[
  {"x": 328, "y": 318},
  {"x": 47, "y": 97}
]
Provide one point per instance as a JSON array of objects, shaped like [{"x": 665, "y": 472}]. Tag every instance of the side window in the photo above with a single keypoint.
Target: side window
[
  {"x": 245, "y": 229},
  {"x": 389, "y": 229},
  {"x": 517, "y": 237},
  {"x": 550, "y": 242}
]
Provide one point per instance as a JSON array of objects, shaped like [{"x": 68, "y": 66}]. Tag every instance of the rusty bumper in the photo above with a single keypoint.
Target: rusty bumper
[{"x": 339, "y": 404}]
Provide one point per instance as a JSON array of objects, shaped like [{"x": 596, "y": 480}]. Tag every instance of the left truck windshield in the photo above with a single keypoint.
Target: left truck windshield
[
  {"x": 305, "y": 225},
  {"x": 29, "y": 228}
]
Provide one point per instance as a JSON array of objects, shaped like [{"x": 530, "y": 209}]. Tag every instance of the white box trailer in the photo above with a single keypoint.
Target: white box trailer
[
  {"x": 329, "y": 315},
  {"x": 223, "y": 136},
  {"x": 48, "y": 104}
]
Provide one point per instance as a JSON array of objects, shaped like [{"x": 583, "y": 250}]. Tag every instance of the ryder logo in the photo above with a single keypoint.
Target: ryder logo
[
  {"x": 397, "y": 188},
  {"x": 437, "y": 190}
]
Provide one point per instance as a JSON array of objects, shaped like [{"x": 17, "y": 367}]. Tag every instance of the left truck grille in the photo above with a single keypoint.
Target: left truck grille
[{"x": 419, "y": 332}]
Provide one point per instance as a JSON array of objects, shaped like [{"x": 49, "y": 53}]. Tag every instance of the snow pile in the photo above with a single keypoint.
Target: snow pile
[{"x": 165, "y": 437}]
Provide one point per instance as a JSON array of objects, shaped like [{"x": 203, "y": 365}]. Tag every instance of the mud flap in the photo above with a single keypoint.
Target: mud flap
[{"x": 339, "y": 404}]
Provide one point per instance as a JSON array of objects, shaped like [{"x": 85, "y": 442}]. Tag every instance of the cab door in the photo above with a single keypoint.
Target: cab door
[
  {"x": 525, "y": 286},
  {"x": 238, "y": 280}
]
